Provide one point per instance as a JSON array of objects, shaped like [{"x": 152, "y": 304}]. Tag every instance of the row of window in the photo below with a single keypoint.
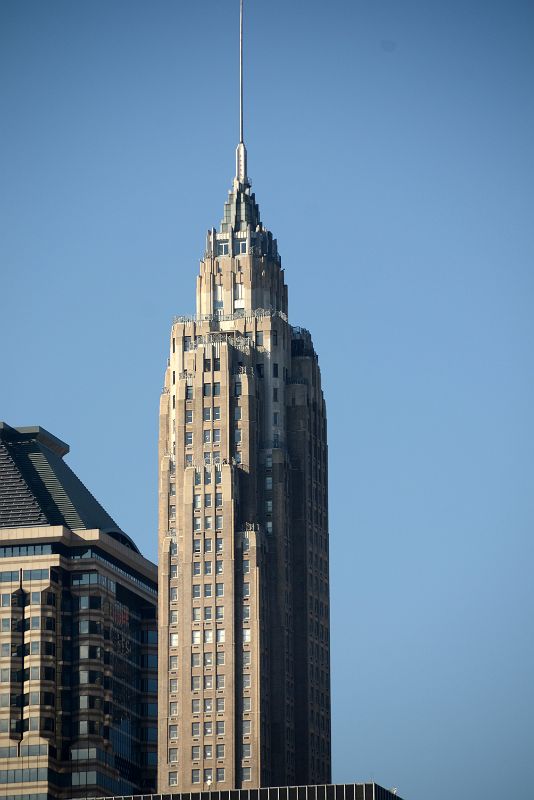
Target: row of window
[
  {"x": 208, "y": 497},
  {"x": 208, "y": 542},
  {"x": 208, "y": 568}
]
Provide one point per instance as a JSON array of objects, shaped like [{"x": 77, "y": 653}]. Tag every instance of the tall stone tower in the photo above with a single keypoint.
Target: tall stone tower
[{"x": 244, "y": 663}]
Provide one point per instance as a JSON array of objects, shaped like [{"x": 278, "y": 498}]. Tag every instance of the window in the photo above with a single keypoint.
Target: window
[
  {"x": 237, "y": 413},
  {"x": 173, "y": 662},
  {"x": 220, "y": 774},
  {"x": 207, "y": 390},
  {"x": 219, "y": 545},
  {"x": 246, "y": 681},
  {"x": 195, "y": 776},
  {"x": 208, "y": 775},
  {"x": 219, "y": 589},
  {"x": 207, "y": 545},
  {"x": 196, "y": 590},
  {"x": 195, "y": 613},
  {"x": 275, "y": 395},
  {"x": 220, "y": 681},
  {"x": 246, "y": 613},
  {"x": 220, "y": 705},
  {"x": 216, "y": 389},
  {"x": 173, "y": 709},
  {"x": 219, "y": 565},
  {"x": 173, "y": 639},
  {"x": 220, "y": 659},
  {"x": 195, "y": 752},
  {"x": 208, "y": 523},
  {"x": 220, "y": 635},
  {"x": 187, "y": 343},
  {"x": 259, "y": 338},
  {"x": 208, "y": 705},
  {"x": 246, "y": 635},
  {"x": 195, "y": 637},
  {"x": 195, "y": 706},
  {"x": 274, "y": 338},
  {"x": 276, "y": 418},
  {"x": 218, "y": 475},
  {"x": 238, "y": 389},
  {"x": 197, "y": 477},
  {"x": 218, "y": 499},
  {"x": 220, "y": 751},
  {"x": 197, "y": 524},
  {"x": 237, "y": 436},
  {"x": 220, "y": 728},
  {"x": 173, "y": 731},
  {"x": 196, "y": 545},
  {"x": 195, "y": 660},
  {"x": 208, "y": 565},
  {"x": 173, "y": 755},
  {"x": 207, "y": 458},
  {"x": 208, "y": 659},
  {"x": 208, "y": 637},
  {"x": 246, "y": 727},
  {"x": 196, "y": 568},
  {"x": 206, "y": 414},
  {"x": 246, "y": 590},
  {"x": 246, "y": 751},
  {"x": 208, "y": 590},
  {"x": 259, "y": 370},
  {"x": 216, "y": 413},
  {"x": 268, "y": 482},
  {"x": 206, "y": 437},
  {"x": 238, "y": 287},
  {"x": 216, "y": 364},
  {"x": 174, "y": 594},
  {"x": 188, "y": 417},
  {"x": 269, "y": 526},
  {"x": 217, "y": 436},
  {"x": 207, "y": 477},
  {"x": 195, "y": 683},
  {"x": 246, "y": 659},
  {"x": 219, "y": 522},
  {"x": 207, "y": 614},
  {"x": 269, "y": 506},
  {"x": 237, "y": 457},
  {"x": 246, "y": 704},
  {"x": 275, "y": 370},
  {"x": 222, "y": 248},
  {"x": 173, "y": 685},
  {"x": 208, "y": 681},
  {"x": 208, "y": 751},
  {"x": 207, "y": 500},
  {"x": 207, "y": 365},
  {"x": 188, "y": 392},
  {"x": 195, "y": 728},
  {"x": 208, "y": 729}
]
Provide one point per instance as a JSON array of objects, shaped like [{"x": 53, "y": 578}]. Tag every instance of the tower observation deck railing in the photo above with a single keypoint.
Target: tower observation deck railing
[{"x": 254, "y": 314}]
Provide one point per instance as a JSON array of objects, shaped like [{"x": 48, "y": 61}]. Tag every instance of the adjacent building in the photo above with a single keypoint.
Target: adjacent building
[
  {"x": 244, "y": 644},
  {"x": 78, "y": 634}
]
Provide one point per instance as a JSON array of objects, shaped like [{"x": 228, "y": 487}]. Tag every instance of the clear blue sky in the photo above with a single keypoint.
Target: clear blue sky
[{"x": 390, "y": 147}]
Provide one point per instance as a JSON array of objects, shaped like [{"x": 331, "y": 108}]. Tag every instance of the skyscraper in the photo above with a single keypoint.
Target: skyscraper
[
  {"x": 244, "y": 665},
  {"x": 78, "y": 654}
]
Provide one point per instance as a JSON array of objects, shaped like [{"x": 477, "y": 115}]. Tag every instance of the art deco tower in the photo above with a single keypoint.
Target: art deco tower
[{"x": 244, "y": 666}]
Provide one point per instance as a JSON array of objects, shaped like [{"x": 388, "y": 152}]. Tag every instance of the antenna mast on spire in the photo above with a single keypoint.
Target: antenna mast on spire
[{"x": 241, "y": 152}]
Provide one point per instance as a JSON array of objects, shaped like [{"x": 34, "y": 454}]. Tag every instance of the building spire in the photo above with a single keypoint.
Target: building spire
[{"x": 241, "y": 152}]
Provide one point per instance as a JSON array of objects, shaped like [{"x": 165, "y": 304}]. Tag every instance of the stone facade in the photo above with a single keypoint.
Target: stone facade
[{"x": 244, "y": 665}]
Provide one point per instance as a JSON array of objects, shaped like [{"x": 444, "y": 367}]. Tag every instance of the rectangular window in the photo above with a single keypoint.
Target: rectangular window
[
  {"x": 188, "y": 417},
  {"x": 238, "y": 389},
  {"x": 246, "y": 751},
  {"x": 173, "y": 685},
  {"x": 208, "y": 681},
  {"x": 246, "y": 613},
  {"x": 208, "y": 523},
  {"x": 173, "y": 731},
  {"x": 220, "y": 705},
  {"x": 208, "y": 659},
  {"x": 207, "y": 390},
  {"x": 246, "y": 659},
  {"x": 219, "y": 545},
  {"x": 207, "y": 365},
  {"x": 216, "y": 389},
  {"x": 195, "y": 776},
  {"x": 208, "y": 729},
  {"x": 195, "y": 683},
  {"x": 208, "y": 705},
  {"x": 208, "y": 751},
  {"x": 207, "y": 545},
  {"x": 208, "y": 590},
  {"x": 173, "y": 755},
  {"x": 219, "y": 565},
  {"x": 276, "y": 418},
  {"x": 196, "y": 545},
  {"x": 188, "y": 438},
  {"x": 208, "y": 637},
  {"x": 207, "y": 500},
  {"x": 196, "y": 590},
  {"x": 246, "y": 681},
  {"x": 237, "y": 413},
  {"x": 220, "y": 635},
  {"x": 195, "y": 729},
  {"x": 275, "y": 395},
  {"x": 275, "y": 370},
  {"x": 195, "y": 660},
  {"x": 246, "y": 704},
  {"x": 207, "y": 477},
  {"x": 259, "y": 338},
  {"x": 216, "y": 413},
  {"x": 206, "y": 414},
  {"x": 195, "y": 614},
  {"x": 195, "y": 706},
  {"x": 206, "y": 438},
  {"x": 187, "y": 343},
  {"x": 173, "y": 639},
  {"x": 220, "y": 681},
  {"x": 195, "y": 752},
  {"x": 220, "y": 774},
  {"x": 196, "y": 568},
  {"x": 218, "y": 499},
  {"x": 208, "y": 775},
  {"x": 218, "y": 475},
  {"x": 219, "y": 522},
  {"x": 220, "y": 659},
  {"x": 208, "y": 567},
  {"x": 219, "y": 589},
  {"x": 174, "y": 594},
  {"x": 246, "y": 635},
  {"x": 188, "y": 392},
  {"x": 268, "y": 482},
  {"x": 246, "y": 590},
  {"x": 237, "y": 436},
  {"x": 217, "y": 436},
  {"x": 207, "y": 613},
  {"x": 219, "y": 613},
  {"x": 246, "y": 727},
  {"x": 220, "y": 728},
  {"x": 173, "y": 662},
  {"x": 197, "y": 524},
  {"x": 216, "y": 364},
  {"x": 195, "y": 637}
]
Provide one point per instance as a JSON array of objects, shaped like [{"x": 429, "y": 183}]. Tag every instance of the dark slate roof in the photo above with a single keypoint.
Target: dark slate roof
[{"x": 37, "y": 487}]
